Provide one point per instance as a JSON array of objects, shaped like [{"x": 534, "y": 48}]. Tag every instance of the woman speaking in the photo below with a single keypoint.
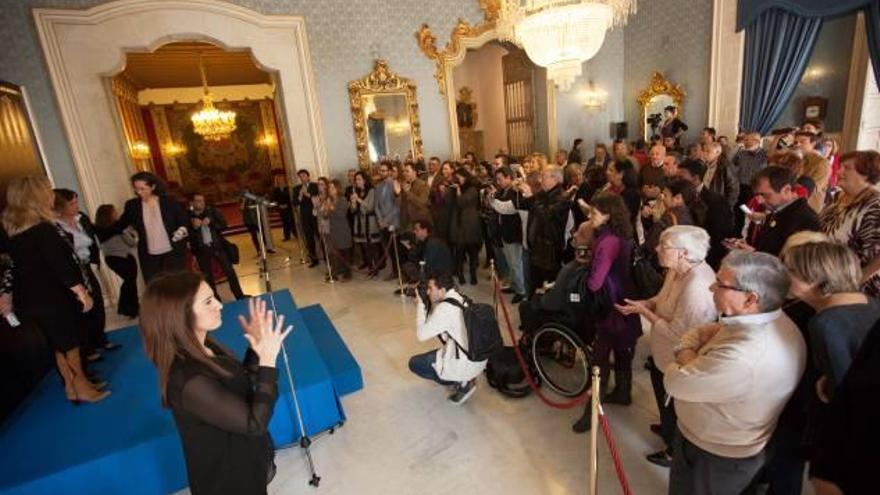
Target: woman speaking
[{"x": 221, "y": 406}]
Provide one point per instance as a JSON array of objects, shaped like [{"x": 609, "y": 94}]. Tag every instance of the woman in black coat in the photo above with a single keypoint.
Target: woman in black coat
[
  {"x": 465, "y": 231},
  {"x": 81, "y": 234},
  {"x": 48, "y": 281},
  {"x": 222, "y": 406},
  {"x": 161, "y": 224}
]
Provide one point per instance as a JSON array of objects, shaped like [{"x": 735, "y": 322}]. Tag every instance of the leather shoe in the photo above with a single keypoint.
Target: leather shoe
[{"x": 662, "y": 458}]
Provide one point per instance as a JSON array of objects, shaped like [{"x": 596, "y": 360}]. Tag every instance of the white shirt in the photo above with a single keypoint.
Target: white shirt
[
  {"x": 730, "y": 396},
  {"x": 447, "y": 321},
  {"x": 82, "y": 243}
]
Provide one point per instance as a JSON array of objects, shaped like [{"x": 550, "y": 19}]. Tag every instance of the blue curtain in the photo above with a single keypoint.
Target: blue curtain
[
  {"x": 778, "y": 48},
  {"x": 872, "y": 27},
  {"x": 749, "y": 10}
]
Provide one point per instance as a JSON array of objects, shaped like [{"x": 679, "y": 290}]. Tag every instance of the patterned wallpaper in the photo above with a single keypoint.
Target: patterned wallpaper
[
  {"x": 573, "y": 120},
  {"x": 345, "y": 36},
  {"x": 673, "y": 37}
]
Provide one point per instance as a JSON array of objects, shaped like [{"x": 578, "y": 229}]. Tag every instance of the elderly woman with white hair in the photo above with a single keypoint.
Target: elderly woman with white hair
[{"x": 683, "y": 302}]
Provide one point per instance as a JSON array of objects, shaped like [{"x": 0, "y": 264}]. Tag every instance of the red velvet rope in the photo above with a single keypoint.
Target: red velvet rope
[{"x": 615, "y": 455}]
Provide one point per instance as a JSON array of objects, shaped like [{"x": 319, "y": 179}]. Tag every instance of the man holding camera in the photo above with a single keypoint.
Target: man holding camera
[
  {"x": 427, "y": 249},
  {"x": 511, "y": 229},
  {"x": 447, "y": 365},
  {"x": 208, "y": 244}
]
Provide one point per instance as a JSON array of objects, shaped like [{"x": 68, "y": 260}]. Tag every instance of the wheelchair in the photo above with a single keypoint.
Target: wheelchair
[{"x": 561, "y": 355}]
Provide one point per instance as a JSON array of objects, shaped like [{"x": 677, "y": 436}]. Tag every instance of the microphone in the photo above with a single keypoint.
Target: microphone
[{"x": 257, "y": 199}]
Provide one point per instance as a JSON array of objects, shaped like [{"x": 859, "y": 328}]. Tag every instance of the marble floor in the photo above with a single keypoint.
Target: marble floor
[{"x": 404, "y": 437}]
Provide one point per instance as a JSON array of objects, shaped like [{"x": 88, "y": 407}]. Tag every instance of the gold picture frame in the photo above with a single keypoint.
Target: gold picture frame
[
  {"x": 382, "y": 81},
  {"x": 658, "y": 87}
]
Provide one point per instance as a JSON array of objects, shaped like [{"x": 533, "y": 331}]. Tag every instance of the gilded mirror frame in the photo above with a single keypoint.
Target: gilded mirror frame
[
  {"x": 659, "y": 85},
  {"x": 464, "y": 37},
  {"x": 382, "y": 81}
]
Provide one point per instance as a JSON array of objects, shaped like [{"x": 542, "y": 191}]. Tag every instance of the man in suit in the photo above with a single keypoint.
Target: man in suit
[
  {"x": 281, "y": 197},
  {"x": 387, "y": 208},
  {"x": 788, "y": 214},
  {"x": 161, "y": 224},
  {"x": 413, "y": 194},
  {"x": 302, "y": 198},
  {"x": 718, "y": 222},
  {"x": 207, "y": 243},
  {"x": 719, "y": 175}
]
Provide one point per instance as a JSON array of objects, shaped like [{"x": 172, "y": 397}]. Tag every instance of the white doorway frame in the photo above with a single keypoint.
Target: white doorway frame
[{"x": 84, "y": 47}]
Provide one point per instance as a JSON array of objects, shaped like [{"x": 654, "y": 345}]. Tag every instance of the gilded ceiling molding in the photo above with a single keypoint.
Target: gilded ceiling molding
[{"x": 462, "y": 30}]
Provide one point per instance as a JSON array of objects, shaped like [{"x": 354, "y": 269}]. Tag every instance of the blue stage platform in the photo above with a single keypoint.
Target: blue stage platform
[{"x": 128, "y": 443}]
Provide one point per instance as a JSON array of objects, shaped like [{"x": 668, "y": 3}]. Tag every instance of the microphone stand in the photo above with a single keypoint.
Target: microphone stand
[{"x": 304, "y": 441}]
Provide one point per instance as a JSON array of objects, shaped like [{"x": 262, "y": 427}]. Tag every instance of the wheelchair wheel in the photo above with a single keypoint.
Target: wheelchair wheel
[{"x": 561, "y": 359}]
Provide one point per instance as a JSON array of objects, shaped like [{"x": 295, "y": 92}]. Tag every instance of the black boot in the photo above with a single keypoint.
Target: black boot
[
  {"x": 584, "y": 424},
  {"x": 473, "y": 276},
  {"x": 622, "y": 389}
]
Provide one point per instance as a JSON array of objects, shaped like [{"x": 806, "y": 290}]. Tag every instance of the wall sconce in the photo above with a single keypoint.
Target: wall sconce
[
  {"x": 140, "y": 150},
  {"x": 172, "y": 150},
  {"x": 813, "y": 73},
  {"x": 593, "y": 97},
  {"x": 267, "y": 140}
]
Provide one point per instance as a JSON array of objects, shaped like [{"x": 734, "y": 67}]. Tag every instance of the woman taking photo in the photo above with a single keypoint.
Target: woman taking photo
[
  {"x": 683, "y": 302},
  {"x": 441, "y": 206},
  {"x": 117, "y": 253},
  {"x": 465, "y": 233},
  {"x": 81, "y": 234},
  {"x": 48, "y": 281},
  {"x": 624, "y": 182},
  {"x": 365, "y": 226},
  {"x": 334, "y": 210},
  {"x": 161, "y": 225},
  {"x": 611, "y": 276},
  {"x": 222, "y": 406}
]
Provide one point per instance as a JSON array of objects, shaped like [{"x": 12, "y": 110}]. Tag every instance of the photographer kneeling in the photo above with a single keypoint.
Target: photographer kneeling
[{"x": 447, "y": 365}]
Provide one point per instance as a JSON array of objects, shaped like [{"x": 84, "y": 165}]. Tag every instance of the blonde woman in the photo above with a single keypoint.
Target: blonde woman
[{"x": 48, "y": 281}]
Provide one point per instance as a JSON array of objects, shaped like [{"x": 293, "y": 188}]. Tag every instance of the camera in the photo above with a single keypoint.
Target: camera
[
  {"x": 653, "y": 120},
  {"x": 422, "y": 287}
]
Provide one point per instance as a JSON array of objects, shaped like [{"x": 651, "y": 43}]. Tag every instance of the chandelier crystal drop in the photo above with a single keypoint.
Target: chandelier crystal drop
[
  {"x": 210, "y": 123},
  {"x": 561, "y": 34}
]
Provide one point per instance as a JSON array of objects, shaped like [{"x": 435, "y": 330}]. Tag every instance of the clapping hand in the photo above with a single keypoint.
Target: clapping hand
[
  {"x": 264, "y": 337},
  {"x": 632, "y": 307}
]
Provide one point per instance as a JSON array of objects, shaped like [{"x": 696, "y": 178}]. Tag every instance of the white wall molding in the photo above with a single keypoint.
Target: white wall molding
[
  {"x": 82, "y": 47},
  {"x": 726, "y": 69}
]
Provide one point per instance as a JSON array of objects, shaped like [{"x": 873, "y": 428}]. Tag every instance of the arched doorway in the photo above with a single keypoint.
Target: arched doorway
[{"x": 83, "y": 48}]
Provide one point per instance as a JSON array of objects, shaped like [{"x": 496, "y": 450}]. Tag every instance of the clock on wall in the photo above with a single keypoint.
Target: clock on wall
[{"x": 815, "y": 107}]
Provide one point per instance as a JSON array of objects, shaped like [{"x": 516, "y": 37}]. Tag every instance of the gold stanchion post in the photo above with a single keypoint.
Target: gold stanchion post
[
  {"x": 397, "y": 262},
  {"x": 594, "y": 433},
  {"x": 300, "y": 235}
]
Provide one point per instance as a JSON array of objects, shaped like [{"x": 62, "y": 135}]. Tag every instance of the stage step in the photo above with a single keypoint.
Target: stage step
[{"x": 344, "y": 369}]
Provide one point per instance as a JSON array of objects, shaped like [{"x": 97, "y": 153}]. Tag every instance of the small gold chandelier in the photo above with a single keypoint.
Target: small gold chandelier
[{"x": 210, "y": 123}]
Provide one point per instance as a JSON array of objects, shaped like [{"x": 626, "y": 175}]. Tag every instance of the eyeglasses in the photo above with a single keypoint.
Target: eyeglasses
[{"x": 719, "y": 285}]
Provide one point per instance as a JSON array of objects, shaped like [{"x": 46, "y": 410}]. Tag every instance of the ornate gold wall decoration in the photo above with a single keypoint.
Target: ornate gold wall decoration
[
  {"x": 382, "y": 81},
  {"x": 463, "y": 29},
  {"x": 660, "y": 85}
]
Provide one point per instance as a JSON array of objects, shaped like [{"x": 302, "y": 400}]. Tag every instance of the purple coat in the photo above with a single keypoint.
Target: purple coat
[{"x": 612, "y": 268}]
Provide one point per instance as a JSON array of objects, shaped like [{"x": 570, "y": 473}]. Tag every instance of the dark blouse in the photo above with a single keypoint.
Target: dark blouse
[
  {"x": 224, "y": 422},
  {"x": 836, "y": 335}
]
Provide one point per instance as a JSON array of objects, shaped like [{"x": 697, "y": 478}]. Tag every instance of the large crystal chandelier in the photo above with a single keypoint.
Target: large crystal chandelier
[
  {"x": 210, "y": 123},
  {"x": 561, "y": 34}
]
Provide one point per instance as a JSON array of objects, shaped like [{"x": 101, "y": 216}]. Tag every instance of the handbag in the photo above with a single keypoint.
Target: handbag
[{"x": 647, "y": 279}]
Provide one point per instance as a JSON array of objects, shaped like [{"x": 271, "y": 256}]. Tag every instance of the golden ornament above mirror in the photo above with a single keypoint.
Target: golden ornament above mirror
[
  {"x": 659, "y": 94},
  {"x": 385, "y": 114}
]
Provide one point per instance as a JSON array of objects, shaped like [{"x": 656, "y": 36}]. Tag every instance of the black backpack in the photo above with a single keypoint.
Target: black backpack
[
  {"x": 505, "y": 375},
  {"x": 483, "y": 334}
]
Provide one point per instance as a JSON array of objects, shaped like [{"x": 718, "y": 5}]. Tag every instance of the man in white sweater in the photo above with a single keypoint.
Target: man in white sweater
[
  {"x": 731, "y": 379},
  {"x": 447, "y": 365}
]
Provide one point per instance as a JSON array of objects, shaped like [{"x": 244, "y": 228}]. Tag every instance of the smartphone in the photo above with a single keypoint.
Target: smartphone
[{"x": 745, "y": 209}]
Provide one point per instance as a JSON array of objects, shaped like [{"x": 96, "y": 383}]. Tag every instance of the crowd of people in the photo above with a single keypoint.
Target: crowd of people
[{"x": 755, "y": 265}]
